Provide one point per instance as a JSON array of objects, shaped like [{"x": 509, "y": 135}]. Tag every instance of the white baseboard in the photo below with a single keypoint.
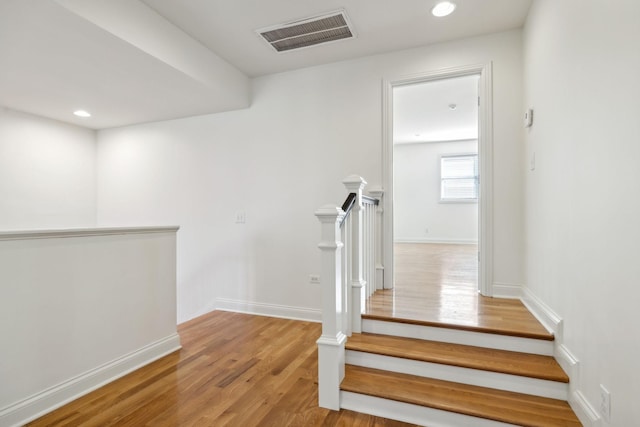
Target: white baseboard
[
  {"x": 583, "y": 409},
  {"x": 271, "y": 310},
  {"x": 441, "y": 241},
  {"x": 507, "y": 290},
  {"x": 47, "y": 400},
  {"x": 543, "y": 313}
]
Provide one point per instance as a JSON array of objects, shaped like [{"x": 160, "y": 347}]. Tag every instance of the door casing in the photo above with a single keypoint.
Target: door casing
[{"x": 485, "y": 158}]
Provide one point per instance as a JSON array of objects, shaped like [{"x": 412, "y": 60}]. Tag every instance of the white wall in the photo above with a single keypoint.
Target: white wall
[
  {"x": 81, "y": 308},
  {"x": 582, "y": 62},
  {"x": 279, "y": 161},
  {"x": 418, "y": 214},
  {"x": 47, "y": 173}
]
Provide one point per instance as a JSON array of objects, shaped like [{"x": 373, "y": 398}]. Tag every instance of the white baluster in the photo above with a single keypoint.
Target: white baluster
[
  {"x": 331, "y": 353},
  {"x": 378, "y": 193},
  {"x": 355, "y": 184}
]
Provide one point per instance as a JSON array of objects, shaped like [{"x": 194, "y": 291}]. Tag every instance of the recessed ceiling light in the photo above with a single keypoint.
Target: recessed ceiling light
[
  {"x": 452, "y": 106},
  {"x": 443, "y": 8},
  {"x": 82, "y": 113}
]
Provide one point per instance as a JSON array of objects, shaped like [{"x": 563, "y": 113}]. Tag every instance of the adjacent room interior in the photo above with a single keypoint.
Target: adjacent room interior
[{"x": 436, "y": 191}]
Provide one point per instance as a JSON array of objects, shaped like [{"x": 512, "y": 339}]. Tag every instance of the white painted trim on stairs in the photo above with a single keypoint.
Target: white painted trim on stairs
[
  {"x": 271, "y": 310},
  {"x": 588, "y": 416},
  {"x": 567, "y": 362},
  {"x": 477, "y": 377},
  {"x": 47, "y": 400},
  {"x": 409, "y": 413},
  {"x": 456, "y": 336},
  {"x": 585, "y": 411},
  {"x": 507, "y": 290},
  {"x": 545, "y": 315}
]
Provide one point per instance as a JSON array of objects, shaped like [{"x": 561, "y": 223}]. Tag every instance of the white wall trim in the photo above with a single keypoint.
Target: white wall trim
[
  {"x": 485, "y": 151},
  {"x": 507, "y": 290},
  {"x": 83, "y": 232},
  {"x": 584, "y": 410},
  {"x": 47, "y": 400},
  {"x": 442, "y": 241},
  {"x": 543, "y": 313},
  {"x": 271, "y": 310}
]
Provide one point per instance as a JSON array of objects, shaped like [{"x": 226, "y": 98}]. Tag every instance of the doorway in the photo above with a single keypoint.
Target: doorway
[
  {"x": 435, "y": 182},
  {"x": 462, "y": 155}
]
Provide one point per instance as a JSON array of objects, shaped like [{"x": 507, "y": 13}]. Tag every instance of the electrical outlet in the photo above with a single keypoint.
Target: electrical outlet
[
  {"x": 314, "y": 278},
  {"x": 241, "y": 217},
  {"x": 605, "y": 404},
  {"x": 426, "y": 231}
]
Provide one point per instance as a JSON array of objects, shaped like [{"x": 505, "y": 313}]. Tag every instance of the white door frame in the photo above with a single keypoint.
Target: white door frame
[{"x": 485, "y": 151}]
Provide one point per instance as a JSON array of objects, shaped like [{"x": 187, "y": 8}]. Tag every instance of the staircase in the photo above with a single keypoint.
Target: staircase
[{"x": 429, "y": 373}]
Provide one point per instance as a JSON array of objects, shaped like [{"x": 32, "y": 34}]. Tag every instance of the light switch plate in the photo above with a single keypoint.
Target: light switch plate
[{"x": 528, "y": 118}]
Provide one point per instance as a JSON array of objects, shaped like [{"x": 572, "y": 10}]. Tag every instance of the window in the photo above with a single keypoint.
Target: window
[{"x": 459, "y": 178}]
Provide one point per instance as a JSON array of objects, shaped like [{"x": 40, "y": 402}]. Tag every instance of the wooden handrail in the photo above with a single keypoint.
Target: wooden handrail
[{"x": 347, "y": 206}]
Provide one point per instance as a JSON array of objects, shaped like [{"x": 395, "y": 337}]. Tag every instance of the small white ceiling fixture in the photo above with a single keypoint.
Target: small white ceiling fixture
[
  {"x": 82, "y": 113},
  {"x": 307, "y": 32},
  {"x": 443, "y": 8}
]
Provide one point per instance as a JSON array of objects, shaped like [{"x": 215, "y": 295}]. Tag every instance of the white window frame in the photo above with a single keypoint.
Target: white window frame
[{"x": 476, "y": 177}]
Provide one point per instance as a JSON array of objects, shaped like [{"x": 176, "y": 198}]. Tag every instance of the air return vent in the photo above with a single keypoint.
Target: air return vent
[{"x": 308, "y": 32}]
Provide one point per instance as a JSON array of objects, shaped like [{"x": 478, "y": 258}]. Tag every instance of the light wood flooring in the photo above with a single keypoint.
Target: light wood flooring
[
  {"x": 233, "y": 370},
  {"x": 436, "y": 284}
]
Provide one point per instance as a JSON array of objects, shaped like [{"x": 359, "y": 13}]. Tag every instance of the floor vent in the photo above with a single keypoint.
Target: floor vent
[{"x": 308, "y": 32}]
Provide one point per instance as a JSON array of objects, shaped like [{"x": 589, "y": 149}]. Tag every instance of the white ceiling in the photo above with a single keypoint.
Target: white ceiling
[
  {"x": 133, "y": 61},
  {"x": 422, "y": 112},
  {"x": 227, "y": 27}
]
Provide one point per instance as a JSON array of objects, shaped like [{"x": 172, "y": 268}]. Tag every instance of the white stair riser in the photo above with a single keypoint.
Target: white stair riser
[
  {"x": 410, "y": 413},
  {"x": 456, "y": 336},
  {"x": 514, "y": 383}
]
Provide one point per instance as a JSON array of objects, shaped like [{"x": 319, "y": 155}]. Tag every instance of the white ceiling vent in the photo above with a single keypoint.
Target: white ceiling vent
[{"x": 307, "y": 32}]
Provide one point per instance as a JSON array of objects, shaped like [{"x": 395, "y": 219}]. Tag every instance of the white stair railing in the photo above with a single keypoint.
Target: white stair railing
[{"x": 351, "y": 271}]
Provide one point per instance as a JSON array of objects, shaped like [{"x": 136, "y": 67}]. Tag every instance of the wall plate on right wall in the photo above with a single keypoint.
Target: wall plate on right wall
[{"x": 528, "y": 118}]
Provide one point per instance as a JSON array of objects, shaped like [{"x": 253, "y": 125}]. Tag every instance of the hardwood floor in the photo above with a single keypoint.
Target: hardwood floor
[
  {"x": 233, "y": 370},
  {"x": 436, "y": 284}
]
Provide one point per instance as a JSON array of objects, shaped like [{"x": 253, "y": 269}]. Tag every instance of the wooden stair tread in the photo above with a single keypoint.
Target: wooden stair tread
[
  {"x": 502, "y": 361},
  {"x": 509, "y": 407},
  {"x": 515, "y": 330}
]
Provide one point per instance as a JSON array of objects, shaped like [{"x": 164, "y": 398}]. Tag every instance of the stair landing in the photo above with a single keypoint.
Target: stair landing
[{"x": 436, "y": 285}]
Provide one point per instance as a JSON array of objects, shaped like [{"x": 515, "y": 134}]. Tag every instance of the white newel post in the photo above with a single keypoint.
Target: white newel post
[
  {"x": 355, "y": 184},
  {"x": 331, "y": 353},
  {"x": 378, "y": 193}
]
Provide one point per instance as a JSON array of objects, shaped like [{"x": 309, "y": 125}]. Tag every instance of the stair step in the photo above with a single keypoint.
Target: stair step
[
  {"x": 485, "y": 359},
  {"x": 535, "y": 331},
  {"x": 436, "y": 332},
  {"x": 481, "y": 402}
]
